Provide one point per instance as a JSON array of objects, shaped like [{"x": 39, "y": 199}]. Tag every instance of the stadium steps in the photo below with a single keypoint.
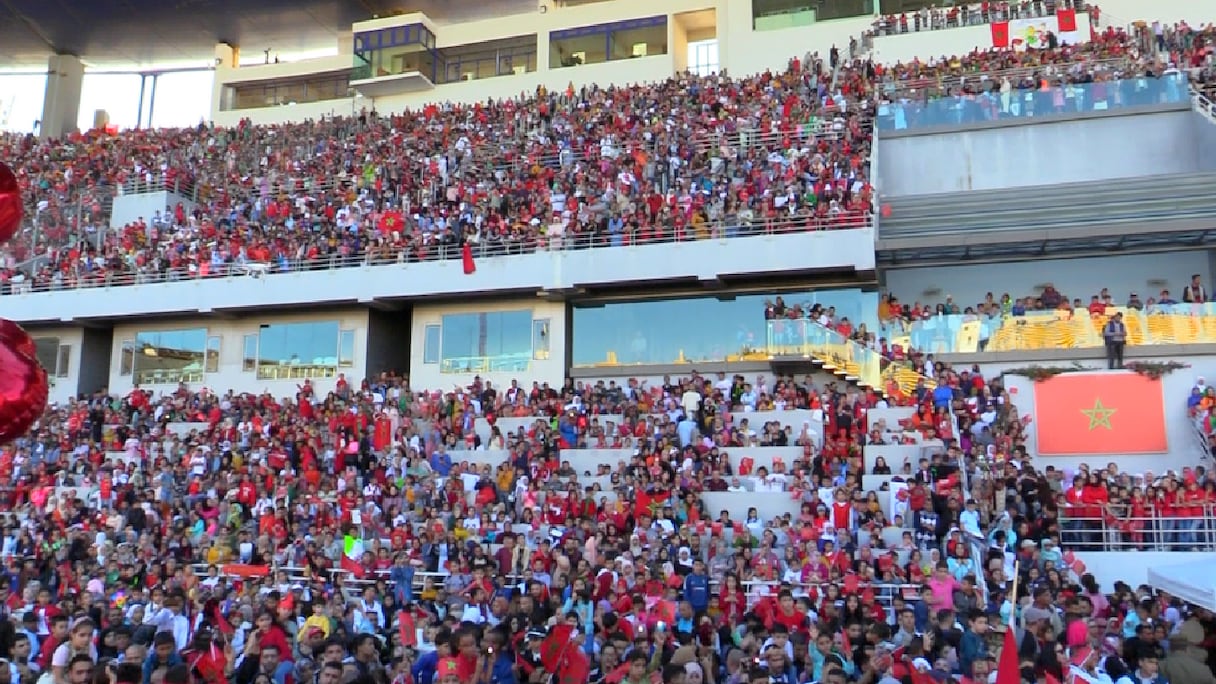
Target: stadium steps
[
  {"x": 848, "y": 360},
  {"x": 1066, "y": 205}
]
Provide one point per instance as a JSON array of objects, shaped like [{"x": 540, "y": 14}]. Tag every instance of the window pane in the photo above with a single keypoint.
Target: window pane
[
  {"x": 430, "y": 344},
  {"x": 346, "y": 349},
  {"x": 46, "y": 350},
  {"x": 65, "y": 361},
  {"x": 698, "y": 329},
  {"x": 298, "y": 351},
  {"x": 169, "y": 356},
  {"x": 250, "y": 357},
  {"x": 540, "y": 339},
  {"x": 490, "y": 341},
  {"x": 127, "y": 361},
  {"x": 213, "y": 354}
]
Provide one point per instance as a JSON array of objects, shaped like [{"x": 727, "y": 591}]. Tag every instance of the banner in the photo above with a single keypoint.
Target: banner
[
  {"x": 1031, "y": 34},
  {"x": 1099, "y": 414}
]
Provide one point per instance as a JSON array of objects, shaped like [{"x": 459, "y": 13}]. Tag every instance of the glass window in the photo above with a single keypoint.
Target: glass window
[
  {"x": 638, "y": 42},
  {"x": 298, "y": 350},
  {"x": 46, "y": 350},
  {"x": 213, "y": 355},
  {"x": 167, "y": 357},
  {"x": 540, "y": 339},
  {"x": 126, "y": 362},
  {"x": 489, "y": 341},
  {"x": 430, "y": 344},
  {"x": 65, "y": 361},
  {"x": 668, "y": 331},
  {"x": 346, "y": 349},
  {"x": 249, "y": 362}
]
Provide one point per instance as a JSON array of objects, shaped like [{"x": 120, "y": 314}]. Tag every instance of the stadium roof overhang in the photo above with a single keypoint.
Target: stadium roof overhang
[
  {"x": 1030, "y": 245},
  {"x": 144, "y": 34}
]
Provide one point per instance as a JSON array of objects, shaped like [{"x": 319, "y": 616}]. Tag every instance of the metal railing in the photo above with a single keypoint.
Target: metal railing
[
  {"x": 951, "y": 16},
  {"x": 1186, "y": 527},
  {"x": 1203, "y": 104},
  {"x": 732, "y": 229},
  {"x": 842, "y": 355},
  {"x": 959, "y": 333},
  {"x": 936, "y": 86}
]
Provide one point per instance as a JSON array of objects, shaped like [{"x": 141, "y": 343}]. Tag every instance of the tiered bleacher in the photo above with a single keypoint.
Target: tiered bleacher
[{"x": 382, "y": 533}]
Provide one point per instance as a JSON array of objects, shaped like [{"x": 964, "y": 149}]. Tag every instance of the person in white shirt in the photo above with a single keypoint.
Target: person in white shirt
[{"x": 79, "y": 641}]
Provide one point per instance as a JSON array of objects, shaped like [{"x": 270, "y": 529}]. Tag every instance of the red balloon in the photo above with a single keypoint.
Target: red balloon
[
  {"x": 23, "y": 384},
  {"x": 10, "y": 204},
  {"x": 13, "y": 335}
]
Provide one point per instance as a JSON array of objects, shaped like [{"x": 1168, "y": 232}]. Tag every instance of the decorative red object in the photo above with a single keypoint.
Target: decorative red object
[
  {"x": 466, "y": 256},
  {"x": 23, "y": 384},
  {"x": 10, "y": 204}
]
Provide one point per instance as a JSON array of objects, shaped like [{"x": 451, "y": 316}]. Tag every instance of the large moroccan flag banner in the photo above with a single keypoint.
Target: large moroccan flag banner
[{"x": 1098, "y": 414}]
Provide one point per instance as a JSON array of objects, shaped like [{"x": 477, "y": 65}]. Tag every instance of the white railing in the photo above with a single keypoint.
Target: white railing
[
  {"x": 1203, "y": 104},
  {"x": 436, "y": 252}
]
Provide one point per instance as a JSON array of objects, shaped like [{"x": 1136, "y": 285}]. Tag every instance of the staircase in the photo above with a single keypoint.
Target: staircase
[{"x": 846, "y": 359}]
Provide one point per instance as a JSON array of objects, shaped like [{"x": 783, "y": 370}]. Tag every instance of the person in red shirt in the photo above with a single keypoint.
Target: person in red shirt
[{"x": 58, "y": 624}]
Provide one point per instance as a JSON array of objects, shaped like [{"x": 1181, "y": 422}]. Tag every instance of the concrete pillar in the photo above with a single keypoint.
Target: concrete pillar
[
  {"x": 227, "y": 56},
  {"x": 61, "y": 106}
]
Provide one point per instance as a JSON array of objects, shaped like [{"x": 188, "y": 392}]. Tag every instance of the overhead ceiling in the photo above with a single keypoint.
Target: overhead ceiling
[{"x": 139, "y": 34}]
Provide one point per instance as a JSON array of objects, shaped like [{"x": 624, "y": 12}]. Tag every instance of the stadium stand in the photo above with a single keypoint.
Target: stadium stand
[{"x": 699, "y": 530}]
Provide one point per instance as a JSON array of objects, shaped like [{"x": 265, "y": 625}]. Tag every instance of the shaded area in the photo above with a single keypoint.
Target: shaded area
[{"x": 142, "y": 33}]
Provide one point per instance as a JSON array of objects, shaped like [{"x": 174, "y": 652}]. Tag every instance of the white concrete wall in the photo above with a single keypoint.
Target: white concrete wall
[
  {"x": 1183, "y": 444},
  {"x": 1145, "y": 274},
  {"x": 906, "y": 47},
  {"x": 551, "y": 370},
  {"x": 701, "y": 261},
  {"x": 144, "y": 205},
  {"x": 1109, "y": 567},
  {"x": 231, "y": 332},
  {"x": 1123, "y": 12},
  {"x": 63, "y": 388}
]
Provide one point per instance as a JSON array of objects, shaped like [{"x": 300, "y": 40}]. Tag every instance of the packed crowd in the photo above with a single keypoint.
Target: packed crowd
[
  {"x": 1193, "y": 291},
  {"x": 355, "y": 536},
  {"x": 554, "y": 170}
]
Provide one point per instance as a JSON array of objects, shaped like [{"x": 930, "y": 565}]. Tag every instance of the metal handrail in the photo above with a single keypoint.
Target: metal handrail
[
  {"x": 938, "y": 16},
  {"x": 1202, "y": 104},
  {"x": 443, "y": 252},
  {"x": 1114, "y": 530},
  {"x": 936, "y": 86}
]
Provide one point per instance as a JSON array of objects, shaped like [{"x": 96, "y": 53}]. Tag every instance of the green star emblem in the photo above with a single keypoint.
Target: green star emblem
[{"x": 1099, "y": 415}]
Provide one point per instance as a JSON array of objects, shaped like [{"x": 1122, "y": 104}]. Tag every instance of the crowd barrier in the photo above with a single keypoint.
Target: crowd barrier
[
  {"x": 909, "y": 114},
  {"x": 1089, "y": 531},
  {"x": 733, "y": 229},
  {"x": 1056, "y": 329}
]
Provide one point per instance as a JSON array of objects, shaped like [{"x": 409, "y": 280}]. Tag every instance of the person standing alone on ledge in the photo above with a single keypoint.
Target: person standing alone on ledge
[{"x": 1115, "y": 335}]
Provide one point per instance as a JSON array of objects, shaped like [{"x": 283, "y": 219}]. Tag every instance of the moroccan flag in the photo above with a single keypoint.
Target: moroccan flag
[
  {"x": 665, "y": 611},
  {"x": 1099, "y": 414},
  {"x": 649, "y": 504},
  {"x": 555, "y": 646},
  {"x": 353, "y": 566},
  {"x": 574, "y": 668},
  {"x": 246, "y": 571},
  {"x": 1000, "y": 34},
  {"x": 1007, "y": 670},
  {"x": 618, "y": 674},
  {"x": 466, "y": 256},
  {"x": 1066, "y": 24},
  {"x": 408, "y": 631}
]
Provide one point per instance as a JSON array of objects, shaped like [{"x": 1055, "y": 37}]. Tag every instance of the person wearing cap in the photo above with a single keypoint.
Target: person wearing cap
[{"x": 1187, "y": 659}]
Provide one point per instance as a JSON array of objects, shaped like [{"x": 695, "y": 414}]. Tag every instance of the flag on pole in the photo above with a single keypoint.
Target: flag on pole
[
  {"x": 1008, "y": 670},
  {"x": 1066, "y": 23},
  {"x": 1000, "y": 34}
]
